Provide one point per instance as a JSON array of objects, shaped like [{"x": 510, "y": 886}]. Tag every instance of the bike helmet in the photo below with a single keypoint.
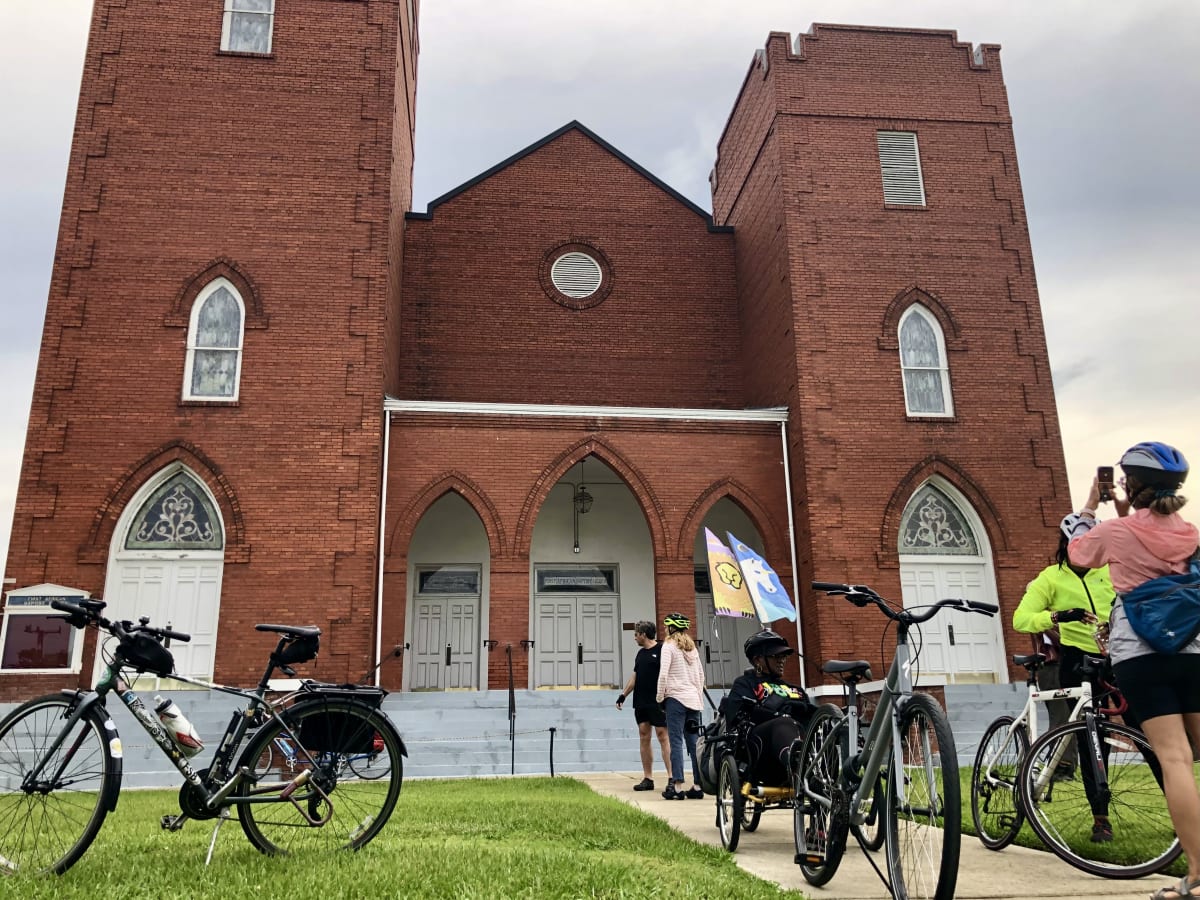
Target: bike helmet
[
  {"x": 677, "y": 622},
  {"x": 766, "y": 643},
  {"x": 1155, "y": 465}
]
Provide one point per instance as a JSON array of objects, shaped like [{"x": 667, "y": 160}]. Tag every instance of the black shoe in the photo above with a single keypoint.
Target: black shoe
[
  {"x": 1102, "y": 832},
  {"x": 1064, "y": 772},
  {"x": 695, "y": 794},
  {"x": 671, "y": 794},
  {"x": 644, "y": 785}
]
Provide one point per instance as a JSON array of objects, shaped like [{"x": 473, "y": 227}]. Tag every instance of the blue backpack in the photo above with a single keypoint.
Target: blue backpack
[{"x": 1165, "y": 612}]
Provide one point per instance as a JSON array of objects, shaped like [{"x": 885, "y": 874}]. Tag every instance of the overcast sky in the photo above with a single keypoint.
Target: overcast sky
[{"x": 1104, "y": 98}]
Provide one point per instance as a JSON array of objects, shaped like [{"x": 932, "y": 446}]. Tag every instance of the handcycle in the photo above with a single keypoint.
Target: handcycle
[
  {"x": 909, "y": 745},
  {"x": 61, "y": 756},
  {"x": 1120, "y": 773}
]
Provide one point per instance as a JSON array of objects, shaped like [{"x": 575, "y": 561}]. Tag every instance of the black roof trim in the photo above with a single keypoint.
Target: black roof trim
[{"x": 554, "y": 135}]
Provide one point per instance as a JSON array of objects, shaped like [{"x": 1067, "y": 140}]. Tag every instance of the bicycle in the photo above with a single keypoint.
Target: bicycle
[
  {"x": 909, "y": 743},
  {"x": 61, "y": 757},
  {"x": 995, "y": 807},
  {"x": 1125, "y": 781}
]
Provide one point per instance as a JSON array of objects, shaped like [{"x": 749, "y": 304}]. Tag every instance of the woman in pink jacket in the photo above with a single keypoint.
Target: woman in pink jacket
[
  {"x": 681, "y": 685},
  {"x": 1148, "y": 539}
]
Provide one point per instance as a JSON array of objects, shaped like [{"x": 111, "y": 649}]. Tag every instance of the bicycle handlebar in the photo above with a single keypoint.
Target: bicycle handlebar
[
  {"x": 860, "y": 595},
  {"x": 81, "y": 615}
]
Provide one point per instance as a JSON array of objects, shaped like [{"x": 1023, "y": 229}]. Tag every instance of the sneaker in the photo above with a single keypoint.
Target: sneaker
[
  {"x": 644, "y": 785},
  {"x": 695, "y": 794},
  {"x": 1064, "y": 772},
  {"x": 671, "y": 794},
  {"x": 1102, "y": 832}
]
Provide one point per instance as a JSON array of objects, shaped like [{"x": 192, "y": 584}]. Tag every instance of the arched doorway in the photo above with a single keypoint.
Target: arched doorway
[
  {"x": 944, "y": 552},
  {"x": 166, "y": 561},
  {"x": 721, "y": 637},
  {"x": 447, "y": 598}
]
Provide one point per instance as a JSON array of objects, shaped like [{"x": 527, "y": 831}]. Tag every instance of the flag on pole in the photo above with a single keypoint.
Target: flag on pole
[
  {"x": 730, "y": 597},
  {"x": 770, "y": 599}
]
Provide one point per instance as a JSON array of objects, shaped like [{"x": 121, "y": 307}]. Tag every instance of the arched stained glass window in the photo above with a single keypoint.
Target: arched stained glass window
[
  {"x": 214, "y": 348},
  {"x": 923, "y": 364},
  {"x": 932, "y": 524},
  {"x": 178, "y": 515}
]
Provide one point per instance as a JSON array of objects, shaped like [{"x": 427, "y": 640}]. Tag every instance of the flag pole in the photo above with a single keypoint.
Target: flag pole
[{"x": 787, "y": 485}]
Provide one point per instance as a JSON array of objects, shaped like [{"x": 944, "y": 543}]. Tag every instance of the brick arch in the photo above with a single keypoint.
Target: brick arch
[
  {"x": 448, "y": 482},
  {"x": 889, "y": 327},
  {"x": 221, "y": 267},
  {"x": 615, "y": 460},
  {"x": 774, "y": 544},
  {"x": 104, "y": 522},
  {"x": 953, "y": 474}
]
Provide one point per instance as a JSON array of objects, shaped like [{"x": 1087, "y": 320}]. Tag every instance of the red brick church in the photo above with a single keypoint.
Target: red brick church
[{"x": 269, "y": 390}]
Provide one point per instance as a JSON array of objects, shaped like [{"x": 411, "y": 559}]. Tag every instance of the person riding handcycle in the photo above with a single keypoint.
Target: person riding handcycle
[{"x": 773, "y": 712}]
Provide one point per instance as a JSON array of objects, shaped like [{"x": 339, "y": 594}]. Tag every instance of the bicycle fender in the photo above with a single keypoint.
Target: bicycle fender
[{"x": 83, "y": 701}]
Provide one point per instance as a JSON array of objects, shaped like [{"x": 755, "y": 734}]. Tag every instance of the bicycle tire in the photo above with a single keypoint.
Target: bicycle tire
[
  {"x": 922, "y": 853},
  {"x": 751, "y": 815},
  {"x": 870, "y": 833},
  {"x": 729, "y": 802},
  {"x": 1144, "y": 840},
  {"x": 820, "y": 833},
  {"x": 49, "y": 829},
  {"x": 331, "y": 808},
  {"x": 995, "y": 797}
]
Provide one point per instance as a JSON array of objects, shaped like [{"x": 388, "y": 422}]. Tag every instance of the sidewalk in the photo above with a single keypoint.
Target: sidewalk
[{"x": 768, "y": 852}]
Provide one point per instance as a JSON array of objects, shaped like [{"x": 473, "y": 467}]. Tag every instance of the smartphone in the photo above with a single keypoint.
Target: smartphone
[{"x": 1104, "y": 478}]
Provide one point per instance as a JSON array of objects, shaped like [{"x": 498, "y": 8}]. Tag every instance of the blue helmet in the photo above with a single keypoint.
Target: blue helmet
[{"x": 1155, "y": 465}]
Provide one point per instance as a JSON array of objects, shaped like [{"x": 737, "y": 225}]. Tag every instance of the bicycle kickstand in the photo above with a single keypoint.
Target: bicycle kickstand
[{"x": 222, "y": 818}]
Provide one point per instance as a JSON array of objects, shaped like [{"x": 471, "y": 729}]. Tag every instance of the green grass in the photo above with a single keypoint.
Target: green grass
[{"x": 526, "y": 837}]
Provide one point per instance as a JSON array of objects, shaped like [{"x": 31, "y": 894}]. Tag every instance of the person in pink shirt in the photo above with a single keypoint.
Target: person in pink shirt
[
  {"x": 1148, "y": 539},
  {"x": 681, "y": 688}
]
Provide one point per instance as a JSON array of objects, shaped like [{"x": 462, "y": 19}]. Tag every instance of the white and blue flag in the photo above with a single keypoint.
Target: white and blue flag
[{"x": 766, "y": 590}]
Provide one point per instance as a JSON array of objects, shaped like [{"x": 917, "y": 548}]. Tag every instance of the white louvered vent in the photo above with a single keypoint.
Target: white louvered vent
[
  {"x": 576, "y": 274},
  {"x": 901, "y": 166}
]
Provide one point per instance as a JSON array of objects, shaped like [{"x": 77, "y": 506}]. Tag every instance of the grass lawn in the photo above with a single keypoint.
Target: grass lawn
[{"x": 523, "y": 837}]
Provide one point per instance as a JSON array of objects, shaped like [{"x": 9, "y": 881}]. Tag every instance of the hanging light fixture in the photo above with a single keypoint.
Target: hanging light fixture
[{"x": 581, "y": 502}]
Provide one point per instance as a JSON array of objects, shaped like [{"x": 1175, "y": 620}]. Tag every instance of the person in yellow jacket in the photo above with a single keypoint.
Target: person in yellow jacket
[{"x": 1074, "y": 600}]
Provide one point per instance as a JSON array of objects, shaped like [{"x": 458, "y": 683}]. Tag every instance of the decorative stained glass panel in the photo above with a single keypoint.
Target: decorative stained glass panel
[
  {"x": 178, "y": 516},
  {"x": 934, "y": 525}
]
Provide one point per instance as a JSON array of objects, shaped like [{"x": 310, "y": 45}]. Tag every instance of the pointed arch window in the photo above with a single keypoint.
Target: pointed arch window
[
  {"x": 214, "y": 344},
  {"x": 933, "y": 525},
  {"x": 923, "y": 364},
  {"x": 178, "y": 515}
]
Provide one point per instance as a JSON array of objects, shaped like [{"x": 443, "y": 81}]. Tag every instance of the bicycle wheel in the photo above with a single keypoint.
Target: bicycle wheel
[
  {"x": 47, "y": 827},
  {"x": 923, "y": 809},
  {"x": 315, "y": 801},
  {"x": 819, "y": 826},
  {"x": 371, "y": 766},
  {"x": 729, "y": 802},
  {"x": 1143, "y": 839},
  {"x": 751, "y": 815},
  {"x": 995, "y": 799},
  {"x": 870, "y": 833}
]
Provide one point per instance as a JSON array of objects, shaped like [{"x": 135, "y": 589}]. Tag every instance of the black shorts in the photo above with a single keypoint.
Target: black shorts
[
  {"x": 1160, "y": 684},
  {"x": 652, "y": 714}
]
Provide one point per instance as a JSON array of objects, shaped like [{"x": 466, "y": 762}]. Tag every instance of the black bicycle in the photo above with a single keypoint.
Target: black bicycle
[{"x": 61, "y": 757}]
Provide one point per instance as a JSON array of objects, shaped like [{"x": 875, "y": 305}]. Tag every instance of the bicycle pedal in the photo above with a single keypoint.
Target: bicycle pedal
[{"x": 172, "y": 823}]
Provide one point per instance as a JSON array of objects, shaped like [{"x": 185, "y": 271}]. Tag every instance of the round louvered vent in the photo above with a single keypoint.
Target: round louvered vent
[{"x": 576, "y": 275}]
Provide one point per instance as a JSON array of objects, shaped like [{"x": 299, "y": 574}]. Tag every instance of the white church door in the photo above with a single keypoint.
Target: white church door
[
  {"x": 166, "y": 562},
  {"x": 943, "y": 554},
  {"x": 575, "y": 634},
  {"x": 446, "y": 640}
]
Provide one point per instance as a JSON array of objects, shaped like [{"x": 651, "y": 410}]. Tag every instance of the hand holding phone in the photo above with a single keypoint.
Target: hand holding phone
[{"x": 1104, "y": 481}]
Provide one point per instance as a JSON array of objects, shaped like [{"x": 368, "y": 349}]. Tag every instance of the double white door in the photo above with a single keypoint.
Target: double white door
[
  {"x": 575, "y": 642},
  {"x": 956, "y": 647},
  {"x": 446, "y": 644},
  {"x": 723, "y": 638}
]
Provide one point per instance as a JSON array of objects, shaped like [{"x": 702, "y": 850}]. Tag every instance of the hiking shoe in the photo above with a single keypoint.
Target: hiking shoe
[
  {"x": 671, "y": 794},
  {"x": 644, "y": 785},
  {"x": 1102, "y": 832},
  {"x": 695, "y": 794},
  {"x": 1064, "y": 772}
]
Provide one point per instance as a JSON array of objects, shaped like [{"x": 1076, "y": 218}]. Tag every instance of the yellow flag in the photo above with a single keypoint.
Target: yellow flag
[{"x": 730, "y": 597}]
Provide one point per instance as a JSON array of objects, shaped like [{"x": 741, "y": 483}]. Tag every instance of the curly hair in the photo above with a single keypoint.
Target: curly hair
[{"x": 1159, "y": 501}]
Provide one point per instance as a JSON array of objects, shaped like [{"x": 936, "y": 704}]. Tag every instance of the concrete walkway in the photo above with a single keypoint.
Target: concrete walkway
[{"x": 768, "y": 852}]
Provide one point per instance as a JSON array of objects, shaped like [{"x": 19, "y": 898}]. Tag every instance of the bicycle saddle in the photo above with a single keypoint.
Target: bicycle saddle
[{"x": 292, "y": 631}]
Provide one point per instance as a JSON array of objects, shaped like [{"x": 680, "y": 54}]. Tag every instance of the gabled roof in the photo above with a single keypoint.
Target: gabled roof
[{"x": 554, "y": 135}]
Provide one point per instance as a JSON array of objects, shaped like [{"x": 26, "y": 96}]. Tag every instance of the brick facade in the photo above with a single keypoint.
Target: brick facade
[{"x": 290, "y": 175}]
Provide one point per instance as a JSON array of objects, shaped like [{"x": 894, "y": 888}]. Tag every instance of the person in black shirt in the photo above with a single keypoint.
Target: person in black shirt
[
  {"x": 646, "y": 712},
  {"x": 776, "y": 711}
]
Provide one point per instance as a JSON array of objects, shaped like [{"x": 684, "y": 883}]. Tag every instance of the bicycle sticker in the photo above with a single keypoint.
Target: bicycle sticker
[{"x": 114, "y": 747}]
